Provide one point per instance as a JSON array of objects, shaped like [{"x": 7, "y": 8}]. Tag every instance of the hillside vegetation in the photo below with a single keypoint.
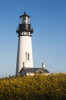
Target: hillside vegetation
[{"x": 38, "y": 87}]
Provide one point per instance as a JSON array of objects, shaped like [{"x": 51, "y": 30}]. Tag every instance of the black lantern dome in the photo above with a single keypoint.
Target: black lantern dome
[{"x": 24, "y": 25}]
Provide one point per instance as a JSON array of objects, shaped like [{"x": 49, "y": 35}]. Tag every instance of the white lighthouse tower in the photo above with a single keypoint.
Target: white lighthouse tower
[{"x": 24, "y": 55}]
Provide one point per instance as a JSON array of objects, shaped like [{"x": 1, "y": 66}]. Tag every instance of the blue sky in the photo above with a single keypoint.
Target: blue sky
[{"x": 48, "y": 19}]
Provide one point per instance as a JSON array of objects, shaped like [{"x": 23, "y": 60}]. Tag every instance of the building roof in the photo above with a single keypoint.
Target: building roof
[
  {"x": 33, "y": 70},
  {"x": 24, "y": 15}
]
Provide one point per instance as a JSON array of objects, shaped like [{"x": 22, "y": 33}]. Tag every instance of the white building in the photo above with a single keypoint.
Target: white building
[
  {"x": 24, "y": 56},
  {"x": 33, "y": 71}
]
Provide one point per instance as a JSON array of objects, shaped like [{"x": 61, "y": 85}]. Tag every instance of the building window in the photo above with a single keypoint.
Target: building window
[{"x": 27, "y": 56}]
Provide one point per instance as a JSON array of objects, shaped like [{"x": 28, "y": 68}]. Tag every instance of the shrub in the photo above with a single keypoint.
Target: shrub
[{"x": 38, "y": 87}]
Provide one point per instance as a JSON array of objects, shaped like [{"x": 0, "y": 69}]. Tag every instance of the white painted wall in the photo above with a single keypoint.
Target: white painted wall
[
  {"x": 30, "y": 74},
  {"x": 24, "y": 45}
]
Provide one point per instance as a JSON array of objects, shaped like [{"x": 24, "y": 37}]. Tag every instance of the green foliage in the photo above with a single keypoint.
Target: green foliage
[{"x": 38, "y": 87}]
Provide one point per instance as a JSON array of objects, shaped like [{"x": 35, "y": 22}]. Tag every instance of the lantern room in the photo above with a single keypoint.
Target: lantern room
[
  {"x": 24, "y": 19},
  {"x": 24, "y": 25}
]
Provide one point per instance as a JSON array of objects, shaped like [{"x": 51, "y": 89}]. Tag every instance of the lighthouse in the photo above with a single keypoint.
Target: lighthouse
[{"x": 24, "y": 53}]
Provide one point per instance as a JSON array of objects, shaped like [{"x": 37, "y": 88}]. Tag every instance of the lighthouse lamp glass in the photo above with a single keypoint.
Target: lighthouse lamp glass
[{"x": 25, "y": 20}]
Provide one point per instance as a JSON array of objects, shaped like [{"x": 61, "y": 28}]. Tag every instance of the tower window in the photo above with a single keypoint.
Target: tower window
[{"x": 27, "y": 56}]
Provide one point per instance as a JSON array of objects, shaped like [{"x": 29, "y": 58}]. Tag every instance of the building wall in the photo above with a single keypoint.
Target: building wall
[
  {"x": 24, "y": 46},
  {"x": 30, "y": 74},
  {"x": 23, "y": 72}
]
